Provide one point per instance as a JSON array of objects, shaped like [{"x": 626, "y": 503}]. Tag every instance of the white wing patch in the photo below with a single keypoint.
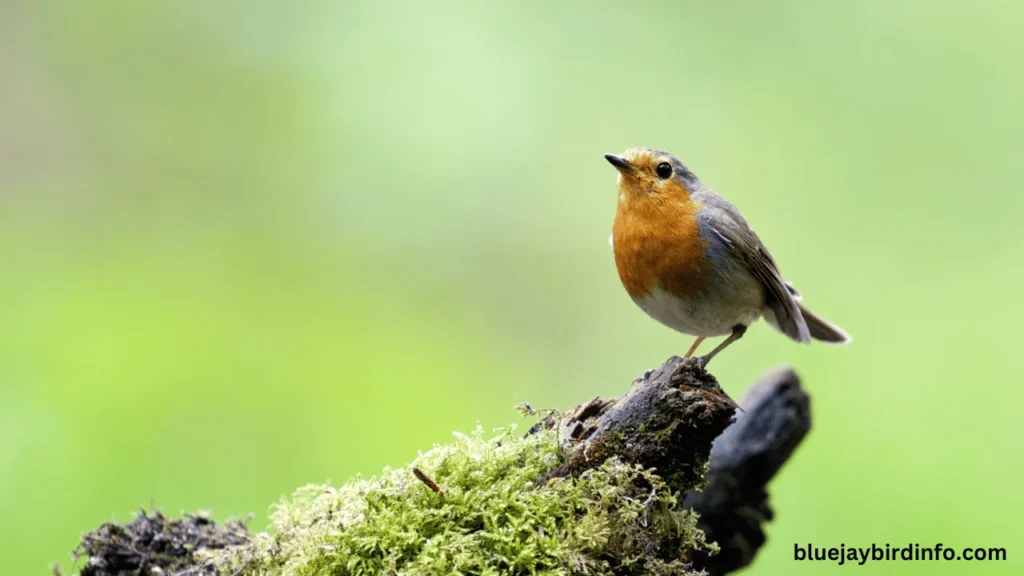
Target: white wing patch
[{"x": 611, "y": 240}]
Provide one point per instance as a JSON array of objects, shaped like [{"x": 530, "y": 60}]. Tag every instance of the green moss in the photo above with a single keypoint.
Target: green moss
[{"x": 492, "y": 518}]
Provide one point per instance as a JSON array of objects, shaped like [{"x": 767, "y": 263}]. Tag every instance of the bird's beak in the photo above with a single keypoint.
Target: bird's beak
[{"x": 620, "y": 163}]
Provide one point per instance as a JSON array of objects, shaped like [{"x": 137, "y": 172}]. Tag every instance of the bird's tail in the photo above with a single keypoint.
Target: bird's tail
[{"x": 822, "y": 329}]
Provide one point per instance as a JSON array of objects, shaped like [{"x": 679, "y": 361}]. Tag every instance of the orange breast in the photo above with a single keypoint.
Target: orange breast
[{"x": 657, "y": 242}]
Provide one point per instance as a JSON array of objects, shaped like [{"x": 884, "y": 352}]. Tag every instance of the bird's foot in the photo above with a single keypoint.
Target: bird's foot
[{"x": 698, "y": 362}]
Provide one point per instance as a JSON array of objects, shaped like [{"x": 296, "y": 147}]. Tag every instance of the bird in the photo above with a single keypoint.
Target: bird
[{"x": 688, "y": 258}]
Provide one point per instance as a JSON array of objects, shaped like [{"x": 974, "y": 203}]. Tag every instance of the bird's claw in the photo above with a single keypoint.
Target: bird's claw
[{"x": 698, "y": 362}]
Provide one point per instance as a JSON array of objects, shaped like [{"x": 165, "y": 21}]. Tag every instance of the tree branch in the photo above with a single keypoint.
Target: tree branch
[
  {"x": 734, "y": 506},
  {"x": 604, "y": 488}
]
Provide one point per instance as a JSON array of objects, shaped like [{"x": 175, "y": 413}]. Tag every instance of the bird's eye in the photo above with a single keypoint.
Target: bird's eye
[{"x": 664, "y": 170}]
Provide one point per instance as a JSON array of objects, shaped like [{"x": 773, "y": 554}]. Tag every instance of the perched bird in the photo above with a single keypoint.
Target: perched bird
[{"x": 690, "y": 261}]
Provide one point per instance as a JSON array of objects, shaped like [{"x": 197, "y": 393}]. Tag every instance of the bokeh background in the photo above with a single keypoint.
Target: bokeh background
[{"x": 246, "y": 246}]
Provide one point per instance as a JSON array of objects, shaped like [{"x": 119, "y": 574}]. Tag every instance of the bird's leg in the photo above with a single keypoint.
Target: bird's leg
[
  {"x": 737, "y": 333},
  {"x": 693, "y": 348}
]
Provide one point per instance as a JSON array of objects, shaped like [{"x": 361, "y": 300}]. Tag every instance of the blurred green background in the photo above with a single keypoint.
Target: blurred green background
[{"x": 249, "y": 245}]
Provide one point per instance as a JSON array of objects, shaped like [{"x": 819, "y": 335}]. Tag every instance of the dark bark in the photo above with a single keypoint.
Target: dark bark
[
  {"x": 734, "y": 506},
  {"x": 154, "y": 545},
  {"x": 668, "y": 421}
]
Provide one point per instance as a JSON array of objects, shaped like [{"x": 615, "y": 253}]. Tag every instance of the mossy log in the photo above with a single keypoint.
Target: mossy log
[{"x": 608, "y": 488}]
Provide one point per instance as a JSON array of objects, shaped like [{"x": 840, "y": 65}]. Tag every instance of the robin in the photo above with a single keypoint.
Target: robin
[{"x": 690, "y": 261}]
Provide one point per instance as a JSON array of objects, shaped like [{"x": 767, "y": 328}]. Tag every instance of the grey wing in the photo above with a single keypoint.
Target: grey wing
[
  {"x": 782, "y": 298},
  {"x": 793, "y": 291}
]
